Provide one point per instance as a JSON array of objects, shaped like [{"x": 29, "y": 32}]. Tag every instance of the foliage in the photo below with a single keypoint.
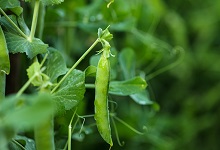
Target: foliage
[{"x": 163, "y": 82}]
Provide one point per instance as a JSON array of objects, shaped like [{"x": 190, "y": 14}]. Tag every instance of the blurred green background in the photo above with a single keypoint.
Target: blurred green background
[{"x": 188, "y": 94}]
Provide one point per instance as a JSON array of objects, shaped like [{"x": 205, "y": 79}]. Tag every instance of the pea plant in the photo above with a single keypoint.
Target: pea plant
[{"x": 53, "y": 90}]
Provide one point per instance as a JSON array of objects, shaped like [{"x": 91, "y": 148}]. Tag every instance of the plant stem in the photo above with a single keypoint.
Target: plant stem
[
  {"x": 25, "y": 86},
  {"x": 44, "y": 135},
  {"x": 40, "y": 24},
  {"x": 90, "y": 86},
  {"x": 74, "y": 66},
  {"x": 2, "y": 85},
  {"x": 13, "y": 24},
  {"x": 34, "y": 20},
  {"x": 70, "y": 130}
]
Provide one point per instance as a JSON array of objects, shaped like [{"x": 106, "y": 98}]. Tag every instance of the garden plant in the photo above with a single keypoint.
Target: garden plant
[{"x": 79, "y": 74}]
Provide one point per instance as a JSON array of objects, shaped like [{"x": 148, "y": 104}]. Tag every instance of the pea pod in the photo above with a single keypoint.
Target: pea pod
[
  {"x": 101, "y": 96},
  {"x": 4, "y": 63},
  {"x": 4, "y": 59}
]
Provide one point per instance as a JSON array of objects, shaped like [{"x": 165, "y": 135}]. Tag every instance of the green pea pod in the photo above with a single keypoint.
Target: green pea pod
[
  {"x": 101, "y": 97},
  {"x": 4, "y": 58},
  {"x": 4, "y": 63}
]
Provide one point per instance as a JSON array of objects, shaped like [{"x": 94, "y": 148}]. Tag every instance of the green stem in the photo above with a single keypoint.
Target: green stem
[
  {"x": 44, "y": 136},
  {"x": 13, "y": 24},
  {"x": 90, "y": 86},
  {"x": 40, "y": 24},
  {"x": 18, "y": 144},
  {"x": 25, "y": 86},
  {"x": 70, "y": 132},
  {"x": 34, "y": 19},
  {"x": 2, "y": 85},
  {"x": 76, "y": 64},
  {"x": 43, "y": 61}
]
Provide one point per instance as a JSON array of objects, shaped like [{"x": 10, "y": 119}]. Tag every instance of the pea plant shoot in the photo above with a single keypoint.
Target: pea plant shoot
[{"x": 53, "y": 91}]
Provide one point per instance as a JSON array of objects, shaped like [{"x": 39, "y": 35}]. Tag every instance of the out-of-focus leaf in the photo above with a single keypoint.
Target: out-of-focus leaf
[
  {"x": 5, "y": 135},
  {"x": 48, "y": 2},
  {"x": 4, "y": 58},
  {"x": 18, "y": 44},
  {"x": 51, "y": 2},
  {"x": 127, "y": 87},
  {"x": 90, "y": 71},
  {"x": 127, "y": 62},
  {"x": 26, "y": 111},
  {"x": 71, "y": 91},
  {"x": 9, "y": 3},
  {"x": 13, "y": 5},
  {"x": 126, "y": 25},
  {"x": 29, "y": 143},
  {"x": 142, "y": 98},
  {"x": 56, "y": 65}
]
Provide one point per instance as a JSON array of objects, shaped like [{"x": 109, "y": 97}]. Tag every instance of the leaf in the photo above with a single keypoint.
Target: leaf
[
  {"x": 142, "y": 98},
  {"x": 26, "y": 111},
  {"x": 19, "y": 21},
  {"x": 49, "y": 2},
  {"x": 56, "y": 65},
  {"x": 29, "y": 143},
  {"x": 4, "y": 58},
  {"x": 127, "y": 62},
  {"x": 18, "y": 44},
  {"x": 71, "y": 91},
  {"x": 13, "y": 5},
  {"x": 126, "y": 25},
  {"x": 37, "y": 77},
  {"x": 127, "y": 87},
  {"x": 90, "y": 71},
  {"x": 9, "y": 3}
]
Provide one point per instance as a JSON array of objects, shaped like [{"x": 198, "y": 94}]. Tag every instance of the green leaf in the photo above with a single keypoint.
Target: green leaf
[
  {"x": 90, "y": 71},
  {"x": 127, "y": 62},
  {"x": 37, "y": 77},
  {"x": 49, "y": 2},
  {"x": 18, "y": 44},
  {"x": 127, "y": 87},
  {"x": 104, "y": 34},
  {"x": 29, "y": 143},
  {"x": 56, "y": 65},
  {"x": 126, "y": 25},
  {"x": 19, "y": 21},
  {"x": 142, "y": 98},
  {"x": 4, "y": 58},
  {"x": 26, "y": 111},
  {"x": 9, "y": 3},
  {"x": 71, "y": 91},
  {"x": 12, "y": 5}
]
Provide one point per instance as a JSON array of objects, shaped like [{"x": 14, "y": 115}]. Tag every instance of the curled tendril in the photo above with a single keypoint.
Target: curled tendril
[{"x": 108, "y": 5}]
